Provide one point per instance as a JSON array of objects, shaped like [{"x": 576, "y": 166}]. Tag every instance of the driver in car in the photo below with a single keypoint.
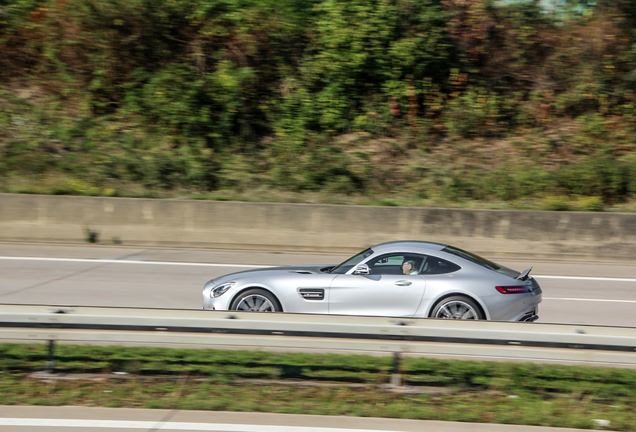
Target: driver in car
[{"x": 408, "y": 268}]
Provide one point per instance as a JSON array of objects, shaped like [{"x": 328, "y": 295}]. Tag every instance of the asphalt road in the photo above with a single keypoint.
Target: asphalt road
[
  {"x": 574, "y": 292},
  {"x": 55, "y": 419}
]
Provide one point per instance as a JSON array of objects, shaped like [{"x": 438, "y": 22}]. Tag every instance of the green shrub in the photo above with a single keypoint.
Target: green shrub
[
  {"x": 477, "y": 112},
  {"x": 557, "y": 203},
  {"x": 594, "y": 204}
]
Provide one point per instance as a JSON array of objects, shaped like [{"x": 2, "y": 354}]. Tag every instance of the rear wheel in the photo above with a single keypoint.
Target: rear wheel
[
  {"x": 256, "y": 300},
  {"x": 457, "y": 307}
]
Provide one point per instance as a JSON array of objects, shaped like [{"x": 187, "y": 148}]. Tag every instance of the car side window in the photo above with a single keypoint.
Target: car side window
[
  {"x": 393, "y": 264},
  {"x": 435, "y": 266}
]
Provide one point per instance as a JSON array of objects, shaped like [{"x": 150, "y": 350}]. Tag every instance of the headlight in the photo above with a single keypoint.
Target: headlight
[{"x": 219, "y": 290}]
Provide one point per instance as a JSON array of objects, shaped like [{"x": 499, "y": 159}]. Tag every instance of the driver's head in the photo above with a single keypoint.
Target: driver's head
[{"x": 407, "y": 267}]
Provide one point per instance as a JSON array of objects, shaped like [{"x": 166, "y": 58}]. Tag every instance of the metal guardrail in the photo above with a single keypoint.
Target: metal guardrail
[{"x": 399, "y": 336}]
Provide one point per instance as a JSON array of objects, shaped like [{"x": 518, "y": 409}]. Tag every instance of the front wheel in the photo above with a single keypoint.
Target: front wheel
[
  {"x": 256, "y": 300},
  {"x": 457, "y": 307}
]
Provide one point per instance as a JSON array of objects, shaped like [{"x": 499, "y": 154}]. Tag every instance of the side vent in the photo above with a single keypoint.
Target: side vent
[{"x": 312, "y": 293}]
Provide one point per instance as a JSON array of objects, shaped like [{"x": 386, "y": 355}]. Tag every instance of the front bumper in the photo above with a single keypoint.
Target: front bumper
[{"x": 216, "y": 303}]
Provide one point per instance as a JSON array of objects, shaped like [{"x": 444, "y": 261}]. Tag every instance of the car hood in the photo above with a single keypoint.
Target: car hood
[{"x": 298, "y": 269}]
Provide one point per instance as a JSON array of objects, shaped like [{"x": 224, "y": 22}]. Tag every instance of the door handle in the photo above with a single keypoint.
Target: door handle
[{"x": 403, "y": 283}]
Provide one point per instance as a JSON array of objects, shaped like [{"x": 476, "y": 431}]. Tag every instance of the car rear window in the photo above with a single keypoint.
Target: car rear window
[
  {"x": 435, "y": 266},
  {"x": 472, "y": 257}
]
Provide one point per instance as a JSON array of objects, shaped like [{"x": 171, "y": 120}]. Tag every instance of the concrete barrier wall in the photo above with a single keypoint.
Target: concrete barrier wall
[{"x": 314, "y": 227}]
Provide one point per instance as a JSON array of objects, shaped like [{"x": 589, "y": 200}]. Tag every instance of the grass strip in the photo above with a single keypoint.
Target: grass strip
[{"x": 194, "y": 379}]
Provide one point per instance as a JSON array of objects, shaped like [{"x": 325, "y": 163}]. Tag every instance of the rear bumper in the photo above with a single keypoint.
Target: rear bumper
[{"x": 530, "y": 316}]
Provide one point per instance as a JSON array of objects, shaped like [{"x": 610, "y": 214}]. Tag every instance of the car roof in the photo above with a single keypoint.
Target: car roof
[{"x": 407, "y": 245}]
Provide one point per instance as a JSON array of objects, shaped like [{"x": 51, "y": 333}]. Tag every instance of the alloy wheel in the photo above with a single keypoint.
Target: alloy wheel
[
  {"x": 457, "y": 309},
  {"x": 255, "y": 303}
]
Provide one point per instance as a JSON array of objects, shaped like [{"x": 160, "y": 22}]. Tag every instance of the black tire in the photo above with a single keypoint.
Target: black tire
[
  {"x": 457, "y": 307},
  {"x": 256, "y": 300}
]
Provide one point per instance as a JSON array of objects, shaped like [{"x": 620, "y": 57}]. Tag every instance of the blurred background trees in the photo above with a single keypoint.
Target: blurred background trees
[{"x": 460, "y": 100}]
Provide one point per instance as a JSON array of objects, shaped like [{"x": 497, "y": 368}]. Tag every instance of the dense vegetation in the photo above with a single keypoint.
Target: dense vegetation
[
  {"x": 328, "y": 384},
  {"x": 425, "y": 101}
]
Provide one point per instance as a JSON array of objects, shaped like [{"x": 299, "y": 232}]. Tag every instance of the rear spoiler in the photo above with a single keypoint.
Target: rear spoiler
[{"x": 524, "y": 274}]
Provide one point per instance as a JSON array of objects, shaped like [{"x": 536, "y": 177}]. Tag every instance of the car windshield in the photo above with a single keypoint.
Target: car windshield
[
  {"x": 344, "y": 267},
  {"x": 472, "y": 257}
]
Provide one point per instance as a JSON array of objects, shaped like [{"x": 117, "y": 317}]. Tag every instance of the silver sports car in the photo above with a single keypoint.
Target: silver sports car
[{"x": 398, "y": 279}]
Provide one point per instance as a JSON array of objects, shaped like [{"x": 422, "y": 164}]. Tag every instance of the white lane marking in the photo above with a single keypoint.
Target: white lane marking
[
  {"x": 590, "y": 300},
  {"x": 169, "y": 263},
  {"x": 122, "y": 424},
  {"x": 586, "y": 278},
  {"x": 111, "y": 261}
]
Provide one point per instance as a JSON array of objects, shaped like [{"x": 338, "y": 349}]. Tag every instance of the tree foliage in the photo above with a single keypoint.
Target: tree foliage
[{"x": 196, "y": 80}]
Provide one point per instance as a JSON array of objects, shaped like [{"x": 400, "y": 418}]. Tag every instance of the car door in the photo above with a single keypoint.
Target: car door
[{"x": 386, "y": 291}]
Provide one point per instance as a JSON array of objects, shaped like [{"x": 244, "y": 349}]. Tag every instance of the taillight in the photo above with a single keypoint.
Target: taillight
[{"x": 514, "y": 289}]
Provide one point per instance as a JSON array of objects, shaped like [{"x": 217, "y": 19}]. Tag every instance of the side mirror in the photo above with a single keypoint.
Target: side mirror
[{"x": 362, "y": 269}]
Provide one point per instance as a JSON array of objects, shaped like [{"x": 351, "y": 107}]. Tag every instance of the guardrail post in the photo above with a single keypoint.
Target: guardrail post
[
  {"x": 396, "y": 375},
  {"x": 49, "y": 358}
]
